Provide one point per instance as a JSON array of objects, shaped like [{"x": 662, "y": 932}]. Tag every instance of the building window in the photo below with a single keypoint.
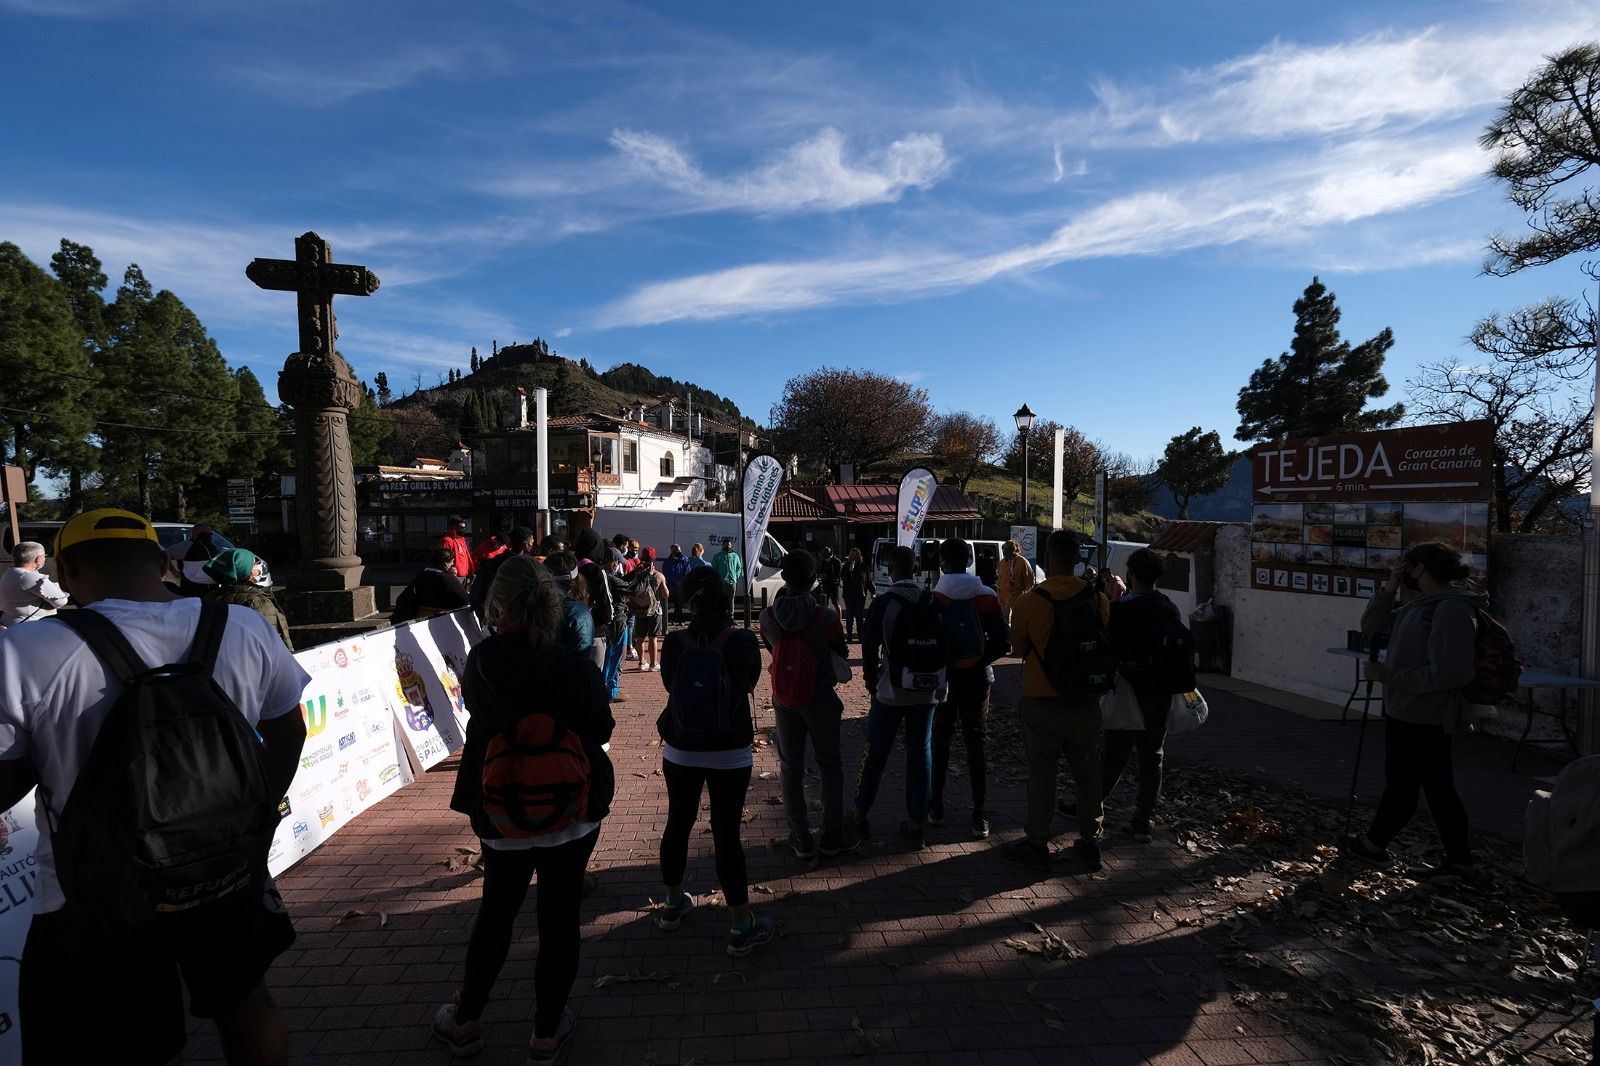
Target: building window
[
  {"x": 603, "y": 454},
  {"x": 630, "y": 457},
  {"x": 666, "y": 466}
]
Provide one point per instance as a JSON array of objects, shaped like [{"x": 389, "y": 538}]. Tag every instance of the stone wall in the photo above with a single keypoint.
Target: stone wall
[{"x": 1536, "y": 589}]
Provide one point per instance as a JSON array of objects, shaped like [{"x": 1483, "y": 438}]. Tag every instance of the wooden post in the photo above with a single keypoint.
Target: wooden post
[{"x": 14, "y": 492}]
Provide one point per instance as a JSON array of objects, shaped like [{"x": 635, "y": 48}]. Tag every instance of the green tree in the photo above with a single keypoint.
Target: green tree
[
  {"x": 176, "y": 400},
  {"x": 44, "y": 368},
  {"x": 1081, "y": 459},
  {"x": 255, "y": 423},
  {"x": 1194, "y": 464},
  {"x": 381, "y": 380},
  {"x": 414, "y": 431},
  {"x": 84, "y": 281},
  {"x": 831, "y": 416},
  {"x": 368, "y": 429},
  {"x": 1322, "y": 384}
]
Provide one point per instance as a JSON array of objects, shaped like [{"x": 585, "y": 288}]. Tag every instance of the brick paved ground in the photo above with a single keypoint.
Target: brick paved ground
[{"x": 899, "y": 957}]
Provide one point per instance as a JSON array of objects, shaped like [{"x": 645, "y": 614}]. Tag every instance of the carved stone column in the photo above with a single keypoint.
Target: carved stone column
[{"x": 323, "y": 392}]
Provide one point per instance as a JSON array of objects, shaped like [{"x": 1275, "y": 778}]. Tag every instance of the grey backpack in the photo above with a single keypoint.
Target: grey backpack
[{"x": 1562, "y": 848}]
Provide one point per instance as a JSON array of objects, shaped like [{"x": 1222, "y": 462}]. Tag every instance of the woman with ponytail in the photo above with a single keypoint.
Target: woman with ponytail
[
  {"x": 536, "y": 782},
  {"x": 1431, "y": 660}
]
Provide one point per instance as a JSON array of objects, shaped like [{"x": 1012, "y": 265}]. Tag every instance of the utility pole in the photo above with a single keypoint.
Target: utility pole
[{"x": 1589, "y": 717}]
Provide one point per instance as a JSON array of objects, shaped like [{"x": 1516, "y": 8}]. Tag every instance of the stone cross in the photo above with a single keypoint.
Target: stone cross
[{"x": 317, "y": 383}]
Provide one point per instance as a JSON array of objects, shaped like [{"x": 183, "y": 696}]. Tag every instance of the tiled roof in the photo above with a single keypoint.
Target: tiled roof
[
  {"x": 795, "y": 506},
  {"x": 876, "y": 503},
  {"x": 1185, "y": 537}
]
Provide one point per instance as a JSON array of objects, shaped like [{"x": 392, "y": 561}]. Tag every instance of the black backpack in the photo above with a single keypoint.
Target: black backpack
[
  {"x": 918, "y": 650},
  {"x": 700, "y": 706},
  {"x": 1163, "y": 651},
  {"x": 1078, "y": 660},
  {"x": 173, "y": 808}
]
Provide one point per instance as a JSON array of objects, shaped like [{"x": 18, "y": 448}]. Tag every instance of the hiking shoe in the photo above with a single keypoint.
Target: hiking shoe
[
  {"x": 800, "y": 844},
  {"x": 836, "y": 843},
  {"x": 671, "y": 914},
  {"x": 618, "y": 698},
  {"x": 1357, "y": 848},
  {"x": 462, "y": 1038},
  {"x": 543, "y": 1049},
  {"x": 935, "y": 814},
  {"x": 912, "y": 832},
  {"x": 1088, "y": 852},
  {"x": 980, "y": 827},
  {"x": 1028, "y": 853},
  {"x": 742, "y": 942},
  {"x": 1141, "y": 829}
]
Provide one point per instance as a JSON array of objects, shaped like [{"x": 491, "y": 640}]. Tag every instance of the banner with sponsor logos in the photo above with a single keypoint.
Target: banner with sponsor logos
[
  {"x": 17, "y": 880},
  {"x": 915, "y": 500},
  {"x": 1332, "y": 515},
  {"x": 762, "y": 476}
]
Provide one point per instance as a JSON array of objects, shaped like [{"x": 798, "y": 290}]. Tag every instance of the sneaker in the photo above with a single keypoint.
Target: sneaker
[
  {"x": 912, "y": 832},
  {"x": 618, "y": 697},
  {"x": 742, "y": 942},
  {"x": 462, "y": 1038},
  {"x": 935, "y": 814},
  {"x": 837, "y": 843},
  {"x": 1028, "y": 853},
  {"x": 671, "y": 914},
  {"x": 800, "y": 844},
  {"x": 1088, "y": 853},
  {"x": 980, "y": 827},
  {"x": 1357, "y": 848},
  {"x": 1141, "y": 829},
  {"x": 543, "y": 1049}
]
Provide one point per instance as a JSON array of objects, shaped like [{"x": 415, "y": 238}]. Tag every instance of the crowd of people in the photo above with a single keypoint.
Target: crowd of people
[{"x": 123, "y": 920}]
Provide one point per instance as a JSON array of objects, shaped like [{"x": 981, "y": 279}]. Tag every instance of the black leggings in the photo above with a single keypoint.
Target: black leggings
[
  {"x": 505, "y": 885},
  {"x": 1417, "y": 758},
  {"x": 727, "y": 788}
]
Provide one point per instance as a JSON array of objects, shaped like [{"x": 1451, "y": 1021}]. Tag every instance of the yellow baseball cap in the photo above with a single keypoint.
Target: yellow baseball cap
[{"x": 105, "y": 523}]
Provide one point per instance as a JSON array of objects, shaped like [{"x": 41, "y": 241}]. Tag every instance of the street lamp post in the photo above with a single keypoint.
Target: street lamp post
[{"x": 1024, "y": 418}]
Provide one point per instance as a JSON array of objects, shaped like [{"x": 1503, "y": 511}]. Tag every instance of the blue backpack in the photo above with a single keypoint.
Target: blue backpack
[
  {"x": 963, "y": 633},
  {"x": 700, "y": 705}
]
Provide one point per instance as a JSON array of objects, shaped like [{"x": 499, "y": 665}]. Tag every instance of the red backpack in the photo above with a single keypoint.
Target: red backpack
[
  {"x": 1496, "y": 670},
  {"x": 536, "y": 778},
  {"x": 795, "y": 665}
]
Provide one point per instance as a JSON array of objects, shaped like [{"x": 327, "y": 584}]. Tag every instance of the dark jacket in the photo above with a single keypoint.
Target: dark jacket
[
  {"x": 1432, "y": 655},
  {"x": 742, "y": 654},
  {"x": 968, "y": 588},
  {"x": 503, "y": 681},
  {"x": 857, "y": 584},
  {"x": 485, "y": 581},
  {"x": 675, "y": 569},
  {"x": 259, "y": 600},
  {"x": 432, "y": 589},
  {"x": 601, "y": 605},
  {"x": 876, "y": 631},
  {"x": 1132, "y": 616}
]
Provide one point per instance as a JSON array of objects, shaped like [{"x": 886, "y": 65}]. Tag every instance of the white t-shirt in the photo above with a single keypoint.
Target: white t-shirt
[
  {"x": 28, "y": 595},
  {"x": 54, "y": 693}
]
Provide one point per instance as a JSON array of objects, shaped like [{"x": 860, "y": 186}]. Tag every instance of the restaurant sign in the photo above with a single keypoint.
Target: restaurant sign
[{"x": 1332, "y": 515}]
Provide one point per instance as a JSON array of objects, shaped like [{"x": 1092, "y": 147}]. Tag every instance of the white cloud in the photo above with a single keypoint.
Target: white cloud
[
  {"x": 1287, "y": 90},
  {"x": 813, "y": 175},
  {"x": 1293, "y": 200},
  {"x": 564, "y": 331},
  {"x": 1077, "y": 170}
]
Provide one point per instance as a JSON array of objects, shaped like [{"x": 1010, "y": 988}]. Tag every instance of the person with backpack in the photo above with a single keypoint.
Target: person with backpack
[
  {"x": 235, "y": 571},
  {"x": 1431, "y": 662},
  {"x": 709, "y": 670},
  {"x": 1059, "y": 631},
  {"x": 1155, "y": 655},
  {"x": 647, "y": 599},
  {"x": 618, "y": 624},
  {"x": 904, "y": 659},
  {"x": 977, "y": 635},
  {"x": 576, "y": 633},
  {"x": 119, "y": 927},
  {"x": 806, "y": 641},
  {"x": 856, "y": 584},
  {"x": 536, "y": 783}
]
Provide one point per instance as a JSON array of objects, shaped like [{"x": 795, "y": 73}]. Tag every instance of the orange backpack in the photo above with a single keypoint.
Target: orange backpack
[{"x": 536, "y": 778}]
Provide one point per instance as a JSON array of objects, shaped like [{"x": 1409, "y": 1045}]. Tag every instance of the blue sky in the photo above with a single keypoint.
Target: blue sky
[{"x": 1103, "y": 210}]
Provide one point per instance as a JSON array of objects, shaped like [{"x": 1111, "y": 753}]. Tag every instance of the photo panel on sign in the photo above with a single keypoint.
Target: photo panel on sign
[
  {"x": 1262, "y": 553},
  {"x": 1385, "y": 536},
  {"x": 1276, "y": 522},
  {"x": 1319, "y": 555},
  {"x": 1319, "y": 514},
  {"x": 1475, "y": 528},
  {"x": 1384, "y": 514},
  {"x": 1320, "y": 533},
  {"x": 1288, "y": 553},
  {"x": 1382, "y": 558},
  {"x": 1441, "y": 522},
  {"x": 1352, "y": 557}
]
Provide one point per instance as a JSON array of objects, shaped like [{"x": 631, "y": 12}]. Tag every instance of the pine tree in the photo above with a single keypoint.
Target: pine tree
[
  {"x": 384, "y": 395},
  {"x": 83, "y": 281},
  {"x": 1322, "y": 384},
  {"x": 474, "y": 362}
]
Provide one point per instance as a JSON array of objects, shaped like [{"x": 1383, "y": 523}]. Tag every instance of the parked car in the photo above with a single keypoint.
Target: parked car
[
  {"x": 660, "y": 529},
  {"x": 986, "y": 555}
]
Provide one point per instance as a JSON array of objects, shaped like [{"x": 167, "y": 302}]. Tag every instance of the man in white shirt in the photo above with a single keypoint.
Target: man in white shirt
[
  {"x": 109, "y": 997},
  {"x": 26, "y": 592}
]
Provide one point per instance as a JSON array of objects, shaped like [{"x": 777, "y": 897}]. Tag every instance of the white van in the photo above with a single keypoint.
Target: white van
[
  {"x": 662, "y": 529},
  {"x": 986, "y": 556}
]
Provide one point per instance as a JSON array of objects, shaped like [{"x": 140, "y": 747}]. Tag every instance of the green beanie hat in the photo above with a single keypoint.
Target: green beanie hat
[{"x": 231, "y": 567}]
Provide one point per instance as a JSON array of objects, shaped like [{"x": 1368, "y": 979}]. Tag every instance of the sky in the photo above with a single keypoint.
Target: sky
[{"x": 1105, "y": 211}]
